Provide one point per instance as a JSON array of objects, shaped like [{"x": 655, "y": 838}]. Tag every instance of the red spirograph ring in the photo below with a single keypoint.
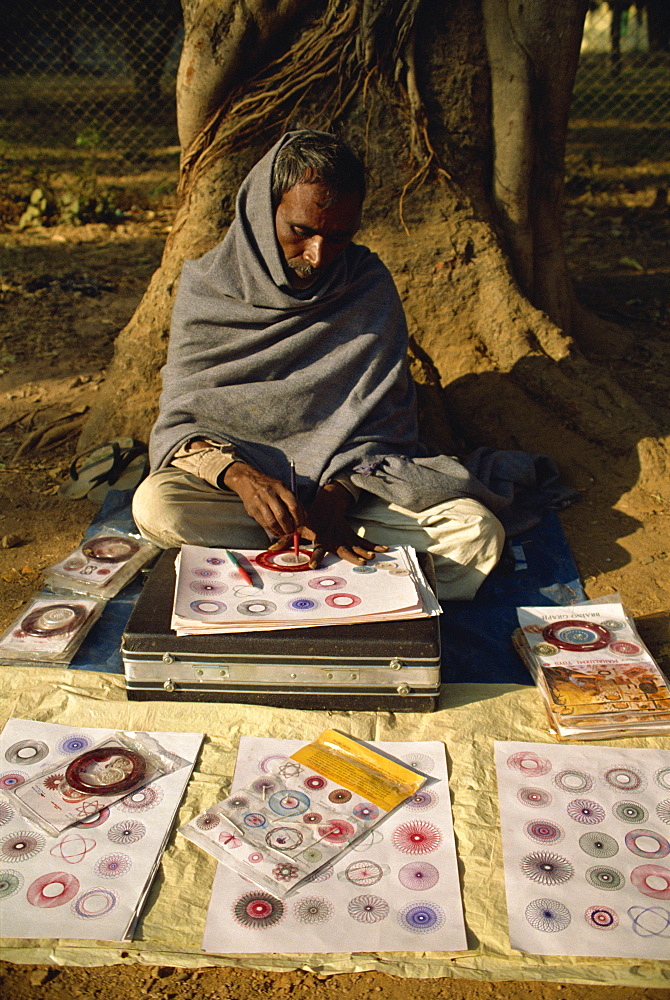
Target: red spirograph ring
[
  {"x": 343, "y": 601},
  {"x": 416, "y": 837},
  {"x": 338, "y": 831},
  {"x": 267, "y": 561},
  {"x": 77, "y": 779},
  {"x": 69, "y": 887},
  {"x": 110, "y": 548},
  {"x": 641, "y": 877},
  {"x": 551, "y": 634}
]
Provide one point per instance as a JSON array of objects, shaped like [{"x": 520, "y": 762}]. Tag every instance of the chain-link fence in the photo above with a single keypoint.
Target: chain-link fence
[{"x": 99, "y": 75}]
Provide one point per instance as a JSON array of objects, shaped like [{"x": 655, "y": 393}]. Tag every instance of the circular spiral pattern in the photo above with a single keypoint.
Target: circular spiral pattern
[
  {"x": 237, "y": 802},
  {"x": 94, "y": 903},
  {"x": 420, "y": 762},
  {"x": 52, "y": 889},
  {"x": 312, "y": 856},
  {"x": 344, "y": 601},
  {"x": 284, "y": 838},
  {"x": 208, "y": 574},
  {"x": 604, "y": 918},
  {"x": 585, "y": 811},
  {"x": 254, "y": 820},
  {"x": 113, "y": 865},
  {"x": 256, "y": 607},
  {"x": 287, "y": 588},
  {"x": 536, "y": 798},
  {"x": 255, "y": 857},
  {"x": 652, "y": 880},
  {"x": 26, "y": 752},
  {"x": 215, "y": 561},
  {"x": 6, "y": 813},
  {"x": 422, "y": 799},
  {"x": 416, "y": 837},
  {"x": 22, "y": 846},
  {"x": 10, "y": 882},
  {"x": 662, "y": 811},
  {"x": 647, "y": 844},
  {"x": 630, "y": 812},
  {"x": 368, "y": 909},
  {"x": 315, "y": 782},
  {"x": 264, "y": 786},
  {"x": 548, "y": 915},
  {"x": 604, "y": 877},
  {"x": 258, "y": 910},
  {"x": 303, "y": 604},
  {"x": 339, "y": 795},
  {"x": 528, "y": 762},
  {"x": 128, "y": 832},
  {"x": 363, "y": 872},
  {"x": 207, "y": 607},
  {"x": 11, "y": 779},
  {"x": 624, "y": 779},
  {"x": 598, "y": 845},
  {"x": 337, "y": 831},
  {"x": 285, "y": 872},
  {"x": 418, "y": 875},
  {"x": 327, "y": 582},
  {"x": 207, "y": 821},
  {"x": 544, "y": 832},
  {"x": 74, "y": 744},
  {"x": 662, "y": 778},
  {"x": 547, "y": 868},
  {"x": 421, "y": 918},
  {"x": 208, "y": 588},
  {"x": 571, "y": 780},
  {"x": 365, "y": 811},
  {"x": 312, "y": 818},
  {"x": 313, "y": 910},
  {"x": 141, "y": 800},
  {"x": 289, "y": 802}
]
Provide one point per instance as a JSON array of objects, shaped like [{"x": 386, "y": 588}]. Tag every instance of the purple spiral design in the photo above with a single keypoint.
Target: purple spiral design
[
  {"x": 421, "y": 918},
  {"x": 585, "y": 811},
  {"x": 418, "y": 875},
  {"x": 113, "y": 865}
]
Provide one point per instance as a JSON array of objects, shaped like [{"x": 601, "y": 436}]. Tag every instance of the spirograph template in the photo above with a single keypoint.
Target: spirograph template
[
  {"x": 586, "y": 846},
  {"x": 89, "y": 881},
  {"x": 398, "y": 890}
]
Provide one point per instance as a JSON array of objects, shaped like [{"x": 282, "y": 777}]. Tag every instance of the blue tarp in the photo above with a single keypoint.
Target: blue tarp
[{"x": 539, "y": 570}]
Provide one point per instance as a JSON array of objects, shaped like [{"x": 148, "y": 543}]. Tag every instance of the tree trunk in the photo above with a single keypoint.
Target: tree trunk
[{"x": 467, "y": 134}]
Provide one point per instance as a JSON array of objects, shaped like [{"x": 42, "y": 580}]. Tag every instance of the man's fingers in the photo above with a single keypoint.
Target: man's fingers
[{"x": 317, "y": 555}]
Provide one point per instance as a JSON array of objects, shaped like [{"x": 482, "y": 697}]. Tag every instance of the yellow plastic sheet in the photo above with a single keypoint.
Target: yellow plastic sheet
[{"x": 470, "y": 718}]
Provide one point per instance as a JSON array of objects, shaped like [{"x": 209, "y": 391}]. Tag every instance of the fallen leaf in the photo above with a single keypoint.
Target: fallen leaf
[{"x": 631, "y": 262}]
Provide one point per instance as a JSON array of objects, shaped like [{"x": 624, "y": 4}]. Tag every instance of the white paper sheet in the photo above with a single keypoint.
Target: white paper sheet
[
  {"x": 212, "y": 597},
  {"x": 92, "y": 879},
  {"x": 586, "y": 845},
  {"x": 397, "y": 891}
]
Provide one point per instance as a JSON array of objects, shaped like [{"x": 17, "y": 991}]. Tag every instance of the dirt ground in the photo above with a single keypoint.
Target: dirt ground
[{"x": 67, "y": 290}]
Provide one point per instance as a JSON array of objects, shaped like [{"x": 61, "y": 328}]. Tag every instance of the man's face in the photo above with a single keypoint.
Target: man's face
[{"x": 313, "y": 229}]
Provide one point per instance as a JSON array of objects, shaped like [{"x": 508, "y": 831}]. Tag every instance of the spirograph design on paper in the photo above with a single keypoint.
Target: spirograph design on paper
[
  {"x": 548, "y": 915},
  {"x": 585, "y": 811},
  {"x": 604, "y": 918},
  {"x": 313, "y": 910},
  {"x": 290, "y": 769},
  {"x": 22, "y": 846},
  {"x": 625, "y": 779},
  {"x": 264, "y": 786},
  {"x": 650, "y": 921},
  {"x": 26, "y": 752},
  {"x": 215, "y": 561},
  {"x": 662, "y": 811},
  {"x": 73, "y": 848},
  {"x": 528, "y": 762},
  {"x": 11, "y": 779},
  {"x": 343, "y": 601},
  {"x": 207, "y": 607},
  {"x": 315, "y": 782},
  {"x": 365, "y": 811},
  {"x": 303, "y": 604},
  {"x": 662, "y": 778},
  {"x": 537, "y": 798},
  {"x": 311, "y": 855},
  {"x": 337, "y": 832},
  {"x": 547, "y": 868},
  {"x": 312, "y": 818},
  {"x": 258, "y": 910},
  {"x": 416, "y": 837},
  {"x": 322, "y": 875},
  {"x": 256, "y": 607},
  {"x": 327, "y": 582},
  {"x": 237, "y": 802},
  {"x": 339, "y": 795},
  {"x": 208, "y": 589},
  {"x": 10, "y": 882},
  {"x": 640, "y": 879},
  {"x": 368, "y": 909},
  {"x": 74, "y": 744},
  {"x": 421, "y": 918},
  {"x": 207, "y": 821},
  {"x": 363, "y": 569},
  {"x": 420, "y": 762},
  {"x": 571, "y": 780},
  {"x": 284, "y": 838},
  {"x": 93, "y": 903},
  {"x": 53, "y": 781},
  {"x": 141, "y": 800},
  {"x": 661, "y": 850},
  {"x": 543, "y": 831},
  {"x": 255, "y": 857},
  {"x": 128, "y": 832},
  {"x": 630, "y": 812},
  {"x": 422, "y": 799},
  {"x": 211, "y": 574},
  {"x": 285, "y": 872},
  {"x": 598, "y": 845},
  {"x": 113, "y": 865},
  {"x": 289, "y": 802},
  {"x": 418, "y": 875},
  {"x": 604, "y": 877},
  {"x": 67, "y": 884},
  {"x": 363, "y": 873},
  {"x": 287, "y": 587},
  {"x": 6, "y": 813},
  {"x": 254, "y": 820},
  {"x": 96, "y": 819}
]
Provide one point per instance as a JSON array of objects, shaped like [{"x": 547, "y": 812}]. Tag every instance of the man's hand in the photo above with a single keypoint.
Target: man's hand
[
  {"x": 267, "y": 500},
  {"x": 327, "y": 529}
]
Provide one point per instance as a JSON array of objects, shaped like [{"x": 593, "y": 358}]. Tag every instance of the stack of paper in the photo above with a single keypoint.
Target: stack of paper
[
  {"x": 212, "y": 596},
  {"x": 92, "y": 880}
]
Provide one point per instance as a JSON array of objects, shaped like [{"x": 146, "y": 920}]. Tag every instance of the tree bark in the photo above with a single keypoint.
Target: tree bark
[{"x": 480, "y": 98}]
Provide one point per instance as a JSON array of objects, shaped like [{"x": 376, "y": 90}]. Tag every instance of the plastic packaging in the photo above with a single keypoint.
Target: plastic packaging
[
  {"x": 102, "y": 565},
  {"x": 49, "y": 628}
]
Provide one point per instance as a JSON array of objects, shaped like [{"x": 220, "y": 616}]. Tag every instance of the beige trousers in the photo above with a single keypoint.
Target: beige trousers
[{"x": 172, "y": 507}]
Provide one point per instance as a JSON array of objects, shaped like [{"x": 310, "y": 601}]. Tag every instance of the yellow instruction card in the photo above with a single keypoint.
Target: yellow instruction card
[{"x": 377, "y": 778}]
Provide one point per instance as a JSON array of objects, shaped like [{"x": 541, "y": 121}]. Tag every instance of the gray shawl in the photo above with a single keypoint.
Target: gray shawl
[{"x": 319, "y": 375}]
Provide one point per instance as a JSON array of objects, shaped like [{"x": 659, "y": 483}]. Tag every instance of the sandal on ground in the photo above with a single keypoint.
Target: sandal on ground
[{"x": 121, "y": 464}]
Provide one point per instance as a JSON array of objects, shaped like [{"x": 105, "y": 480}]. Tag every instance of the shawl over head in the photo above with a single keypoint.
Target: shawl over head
[{"x": 318, "y": 375}]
